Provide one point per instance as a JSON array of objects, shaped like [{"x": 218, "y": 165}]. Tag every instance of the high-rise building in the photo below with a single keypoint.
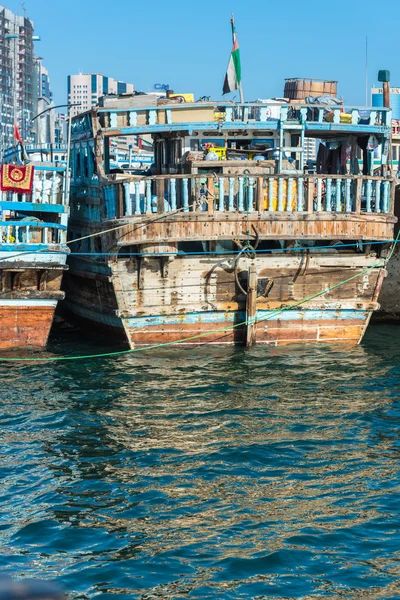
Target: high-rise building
[
  {"x": 60, "y": 128},
  {"x": 44, "y": 124},
  {"x": 43, "y": 80},
  {"x": 86, "y": 89},
  {"x": 18, "y": 92}
]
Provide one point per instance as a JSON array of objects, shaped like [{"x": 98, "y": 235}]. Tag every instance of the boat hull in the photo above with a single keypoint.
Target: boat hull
[
  {"x": 29, "y": 292},
  {"x": 390, "y": 295},
  {"x": 194, "y": 300},
  {"x": 272, "y": 329},
  {"x": 25, "y": 323}
]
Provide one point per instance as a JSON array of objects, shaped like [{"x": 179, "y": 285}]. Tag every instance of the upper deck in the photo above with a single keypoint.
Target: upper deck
[
  {"x": 223, "y": 117},
  {"x": 36, "y": 220},
  {"x": 278, "y": 188}
]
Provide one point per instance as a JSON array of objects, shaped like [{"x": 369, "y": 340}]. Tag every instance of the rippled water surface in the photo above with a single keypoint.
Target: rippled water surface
[{"x": 205, "y": 473}]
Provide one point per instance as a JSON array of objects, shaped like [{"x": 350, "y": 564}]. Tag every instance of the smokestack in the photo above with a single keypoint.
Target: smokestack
[{"x": 384, "y": 78}]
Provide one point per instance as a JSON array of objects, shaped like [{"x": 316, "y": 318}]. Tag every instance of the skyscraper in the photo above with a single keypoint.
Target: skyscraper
[
  {"x": 43, "y": 80},
  {"x": 44, "y": 124},
  {"x": 18, "y": 92},
  {"x": 87, "y": 88}
]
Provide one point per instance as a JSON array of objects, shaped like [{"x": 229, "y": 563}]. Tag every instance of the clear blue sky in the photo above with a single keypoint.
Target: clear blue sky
[{"x": 187, "y": 44}]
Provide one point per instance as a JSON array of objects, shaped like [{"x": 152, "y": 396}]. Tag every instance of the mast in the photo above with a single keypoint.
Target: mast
[{"x": 366, "y": 72}]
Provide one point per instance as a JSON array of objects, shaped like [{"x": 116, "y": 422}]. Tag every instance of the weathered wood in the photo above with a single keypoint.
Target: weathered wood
[
  {"x": 210, "y": 195},
  {"x": 310, "y": 195},
  {"x": 251, "y": 306},
  {"x": 199, "y": 226},
  {"x": 243, "y": 163},
  {"x": 358, "y": 195},
  {"x": 260, "y": 194},
  {"x": 160, "y": 186},
  {"x": 25, "y": 326},
  {"x": 195, "y": 283}
]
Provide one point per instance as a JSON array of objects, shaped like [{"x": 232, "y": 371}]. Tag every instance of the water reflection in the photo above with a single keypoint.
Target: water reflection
[{"x": 206, "y": 472}]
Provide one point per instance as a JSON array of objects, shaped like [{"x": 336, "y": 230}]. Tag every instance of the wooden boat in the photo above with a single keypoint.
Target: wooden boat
[
  {"x": 33, "y": 252},
  {"x": 249, "y": 247}
]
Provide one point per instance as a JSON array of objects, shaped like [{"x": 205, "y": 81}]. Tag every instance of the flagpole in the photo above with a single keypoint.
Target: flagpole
[{"x": 233, "y": 41}]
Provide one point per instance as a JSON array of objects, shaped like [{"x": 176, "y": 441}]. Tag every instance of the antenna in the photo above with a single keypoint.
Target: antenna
[{"x": 366, "y": 71}]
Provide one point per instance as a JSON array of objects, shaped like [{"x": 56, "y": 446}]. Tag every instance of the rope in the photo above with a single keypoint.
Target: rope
[
  {"x": 233, "y": 252},
  {"x": 85, "y": 237},
  {"x": 200, "y": 335}
]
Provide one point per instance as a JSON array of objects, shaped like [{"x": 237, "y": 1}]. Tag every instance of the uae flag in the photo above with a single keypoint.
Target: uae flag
[{"x": 233, "y": 75}]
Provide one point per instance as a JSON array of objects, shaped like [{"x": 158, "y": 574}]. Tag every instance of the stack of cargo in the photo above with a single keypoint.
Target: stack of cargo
[{"x": 298, "y": 89}]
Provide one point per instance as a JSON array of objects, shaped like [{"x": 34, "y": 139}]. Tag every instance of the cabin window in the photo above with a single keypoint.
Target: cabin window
[
  {"x": 85, "y": 163},
  {"x": 173, "y": 152},
  {"x": 78, "y": 162},
  {"x": 190, "y": 247},
  {"x": 160, "y": 153}
]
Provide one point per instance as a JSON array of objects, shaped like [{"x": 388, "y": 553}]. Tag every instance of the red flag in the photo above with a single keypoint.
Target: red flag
[
  {"x": 17, "y": 134},
  {"x": 17, "y": 178}
]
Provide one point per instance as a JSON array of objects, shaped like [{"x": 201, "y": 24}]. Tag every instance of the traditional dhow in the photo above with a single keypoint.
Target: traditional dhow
[
  {"x": 232, "y": 237},
  {"x": 33, "y": 250}
]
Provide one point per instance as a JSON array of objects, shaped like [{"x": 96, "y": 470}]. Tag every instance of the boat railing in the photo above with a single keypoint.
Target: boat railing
[
  {"x": 20, "y": 233},
  {"x": 216, "y": 114},
  {"x": 263, "y": 194},
  {"x": 12, "y": 153},
  {"x": 48, "y": 188}
]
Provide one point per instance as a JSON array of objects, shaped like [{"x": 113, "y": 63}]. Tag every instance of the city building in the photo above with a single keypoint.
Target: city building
[
  {"x": 310, "y": 149},
  {"x": 44, "y": 124},
  {"x": 377, "y": 100},
  {"x": 60, "y": 128},
  {"x": 18, "y": 91},
  {"x": 87, "y": 88},
  {"x": 43, "y": 80}
]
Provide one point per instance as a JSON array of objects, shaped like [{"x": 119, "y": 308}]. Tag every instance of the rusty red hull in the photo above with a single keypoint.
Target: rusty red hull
[{"x": 25, "y": 325}]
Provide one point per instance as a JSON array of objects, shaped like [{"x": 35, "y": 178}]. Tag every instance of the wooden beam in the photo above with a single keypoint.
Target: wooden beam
[
  {"x": 210, "y": 194},
  {"x": 358, "y": 195},
  {"x": 160, "y": 195},
  {"x": 251, "y": 306},
  {"x": 260, "y": 195},
  {"x": 310, "y": 195}
]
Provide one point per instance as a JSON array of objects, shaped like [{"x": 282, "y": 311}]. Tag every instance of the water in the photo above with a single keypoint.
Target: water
[{"x": 205, "y": 473}]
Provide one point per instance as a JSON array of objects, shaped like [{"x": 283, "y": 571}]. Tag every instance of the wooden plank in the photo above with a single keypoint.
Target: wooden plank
[
  {"x": 160, "y": 186},
  {"x": 25, "y": 326},
  {"x": 260, "y": 195},
  {"x": 251, "y": 306},
  {"x": 310, "y": 195},
  {"x": 348, "y": 227},
  {"x": 210, "y": 195},
  {"x": 358, "y": 195},
  {"x": 352, "y": 332}
]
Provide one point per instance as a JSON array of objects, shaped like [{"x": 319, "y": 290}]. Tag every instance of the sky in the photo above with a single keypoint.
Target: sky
[{"x": 187, "y": 44}]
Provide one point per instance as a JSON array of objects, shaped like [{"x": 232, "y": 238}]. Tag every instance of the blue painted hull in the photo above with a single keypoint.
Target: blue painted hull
[{"x": 272, "y": 327}]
